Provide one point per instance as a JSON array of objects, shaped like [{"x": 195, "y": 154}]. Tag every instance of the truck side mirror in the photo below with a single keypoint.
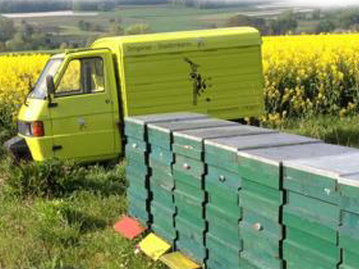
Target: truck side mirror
[
  {"x": 50, "y": 85},
  {"x": 50, "y": 90}
]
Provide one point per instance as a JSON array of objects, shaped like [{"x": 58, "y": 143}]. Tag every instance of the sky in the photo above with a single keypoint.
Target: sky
[{"x": 326, "y": 3}]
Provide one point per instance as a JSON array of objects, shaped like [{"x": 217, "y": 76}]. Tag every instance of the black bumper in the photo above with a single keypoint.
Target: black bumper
[{"x": 17, "y": 146}]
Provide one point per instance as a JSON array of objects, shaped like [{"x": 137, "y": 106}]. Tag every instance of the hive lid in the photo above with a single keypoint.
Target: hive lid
[
  {"x": 172, "y": 126},
  {"x": 241, "y": 143},
  {"x": 275, "y": 155},
  {"x": 349, "y": 180},
  {"x": 142, "y": 120},
  {"x": 223, "y": 131},
  {"x": 333, "y": 166}
]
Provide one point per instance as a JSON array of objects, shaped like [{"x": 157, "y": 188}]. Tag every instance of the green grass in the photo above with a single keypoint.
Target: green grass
[
  {"x": 59, "y": 215},
  {"x": 340, "y": 131},
  {"x": 64, "y": 223}
]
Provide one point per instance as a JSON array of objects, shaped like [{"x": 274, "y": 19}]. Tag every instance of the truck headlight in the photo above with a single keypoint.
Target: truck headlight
[{"x": 34, "y": 129}]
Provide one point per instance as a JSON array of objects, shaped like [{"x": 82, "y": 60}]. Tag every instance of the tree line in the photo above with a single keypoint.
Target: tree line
[{"x": 23, "y": 6}]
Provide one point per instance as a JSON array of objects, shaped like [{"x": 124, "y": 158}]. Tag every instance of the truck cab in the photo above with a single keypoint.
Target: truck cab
[{"x": 77, "y": 107}]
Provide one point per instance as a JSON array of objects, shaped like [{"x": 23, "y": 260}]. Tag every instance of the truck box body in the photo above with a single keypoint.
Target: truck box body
[{"x": 216, "y": 72}]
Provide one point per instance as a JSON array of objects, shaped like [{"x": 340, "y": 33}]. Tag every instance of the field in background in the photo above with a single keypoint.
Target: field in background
[
  {"x": 160, "y": 18},
  {"x": 59, "y": 215}
]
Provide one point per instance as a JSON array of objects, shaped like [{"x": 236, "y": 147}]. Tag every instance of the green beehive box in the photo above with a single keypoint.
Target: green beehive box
[
  {"x": 137, "y": 179},
  {"x": 137, "y": 150},
  {"x": 350, "y": 260},
  {"x": 223, "y": 217},
  {"x": 318, "y": 176},
  {"x": 163, "y": 197},
  {"x": 190, "y": 240},
  {"x": 312, "y": 214},
  {"x": 160, "y": 134},
  {"x": 261, "y": 260},
  {"x": 137, "y": 166},
  {"x": 137, "y": 155},
  {"x": 217, "y": 209},
  {"x": 304, "y": 251},
  {"x": 163, "y": 222},
  {"x": 299, "y": 241},
  {"x": 262, "y": 245},
  {"x": 138, "y": 208},
  {"x": 190, "y": 167},
  {"x": 223, "y": 188},
  {"x": 349, "y": 192},
  {"x": 164, "y": 179},
  {"x": 349, "y": 232},
  {"x": 317, "y": 218},
  {"x": 229, "y": 233},
  {"x": 160, "y": 156},
  {"x": 190, "y": 208},
  {"x": 257, "y": 199},
  {"x": 137, "y": 191},
  {"x": 268, "y": 199},
  {"x": 192, "y": 186},
  {"x": 221, "y": 254}
]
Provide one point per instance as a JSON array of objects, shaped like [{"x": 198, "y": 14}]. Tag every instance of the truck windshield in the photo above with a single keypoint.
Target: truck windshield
[{"x": 40, "y": 89}]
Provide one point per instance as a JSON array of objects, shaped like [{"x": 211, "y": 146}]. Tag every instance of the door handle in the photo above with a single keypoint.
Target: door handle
[{"x": 56, "y": 147}]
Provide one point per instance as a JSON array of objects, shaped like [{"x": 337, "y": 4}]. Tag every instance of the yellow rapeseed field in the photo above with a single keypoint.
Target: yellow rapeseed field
[
  {"x": 310, "y": 75},
  {"x": 304, "y": 75},
  {"x": 16, "y": 74}
]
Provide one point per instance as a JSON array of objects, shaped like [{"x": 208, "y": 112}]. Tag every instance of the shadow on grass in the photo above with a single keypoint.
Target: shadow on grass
[
  {"x": 105, "y": 188},
  {"x": 84, "y": 222}
]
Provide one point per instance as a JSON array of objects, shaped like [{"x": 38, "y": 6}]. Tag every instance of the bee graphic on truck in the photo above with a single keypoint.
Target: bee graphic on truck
[{"x": 200, "y": 83}]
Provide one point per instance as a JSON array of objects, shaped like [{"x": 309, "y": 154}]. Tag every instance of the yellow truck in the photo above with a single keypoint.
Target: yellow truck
[{"x": 77, "y": 107}]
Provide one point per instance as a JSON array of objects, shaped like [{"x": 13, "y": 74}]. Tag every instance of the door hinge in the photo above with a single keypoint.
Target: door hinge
[{"x": 56, "y": 147}]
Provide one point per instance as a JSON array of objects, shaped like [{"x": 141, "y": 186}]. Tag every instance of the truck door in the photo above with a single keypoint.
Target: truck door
[{"x": 83, "y": 108}]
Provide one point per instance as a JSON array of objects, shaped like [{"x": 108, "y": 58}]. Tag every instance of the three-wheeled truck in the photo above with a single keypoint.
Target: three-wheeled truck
[{"x": 77, "y": 107}]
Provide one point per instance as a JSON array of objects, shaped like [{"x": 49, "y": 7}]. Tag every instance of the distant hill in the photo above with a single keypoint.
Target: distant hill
[{"x": 23, "y": 6}]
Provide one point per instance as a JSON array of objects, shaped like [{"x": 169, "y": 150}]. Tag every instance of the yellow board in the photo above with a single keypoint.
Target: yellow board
[
  {"x": 154, "y": 247},
  {"x": 177, "y": 260}
]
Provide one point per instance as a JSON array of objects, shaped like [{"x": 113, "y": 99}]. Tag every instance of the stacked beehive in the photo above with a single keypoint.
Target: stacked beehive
[
  {"x": 189, "y": 148},
  {"x": 137, "y": 156},
  {"x": 234, "y": 196},
  {"x": 317, "y": 227},
  {"x": 164, "y": 204},
  {"x": 261, "y": 195}
]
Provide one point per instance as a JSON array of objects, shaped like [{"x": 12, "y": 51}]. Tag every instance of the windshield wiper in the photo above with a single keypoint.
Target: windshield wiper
[{"x": 29, "y": 92}]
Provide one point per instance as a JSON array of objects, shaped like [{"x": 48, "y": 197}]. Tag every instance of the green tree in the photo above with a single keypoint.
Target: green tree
[
  {"x": 348, "y": 18},
  {"x": 7, "y": 29},
  {"x": 317, "y": 13},
  {"x": 325, "y": 26},
  {"x": 115, "y": 27},
  {"x": 241, "y": 20},
  {"x": 285, "y": 23},
  {"x": 26, "y": 30},
  {"x": 86, "y": 5},
  {"x": 137, "y": 29}
]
